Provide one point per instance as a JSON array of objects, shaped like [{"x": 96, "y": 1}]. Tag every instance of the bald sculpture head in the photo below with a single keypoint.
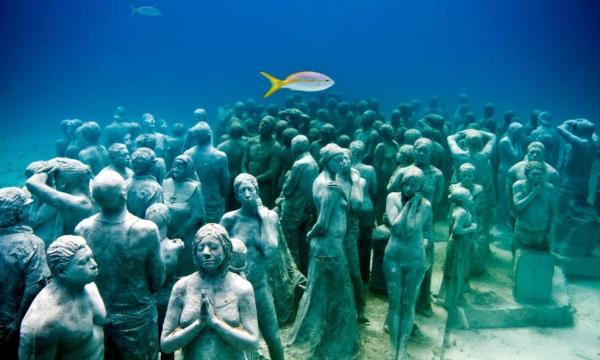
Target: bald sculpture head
[{"x": 109, "y": 191}]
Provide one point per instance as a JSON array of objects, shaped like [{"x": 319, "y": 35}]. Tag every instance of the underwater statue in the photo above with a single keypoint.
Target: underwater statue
[
  {"x": 160, "y": 165},
  {"x": 458, "y": 252},
  {"x": 23, "y": 264},
  {"x": 212, "y": 313},
  {"x": 384, "y": 163},
  {"x": 92, "y": 153},
  {"x": 66, "y": 318},
  {"x": 130, "y": 270},
  {"x": 120, "y": 161},
  {"x": 327, "y": 132},
  {"x": 142, "y": 188},
  {"x": 534, "y": 202},
  {"x": 405, "y": 260},
  {"x": 261, "y": 159},
  {"x": 68, "y": 128},
  {"x": 248, "y": 225},
  {"x": 366, "y": 213},
  {"x": 368, "y": 135},
  {"x": 297, "y": 208},
  {"x": 212, "y": 169},
  {"x": 510, "y": 152},
  {"x": 326, "y": 326},
  {"x": 183, "y": 196},
  {"x": 234, "y": 147},
  {"x": 64, "y": 185},
  {"x": 547, "y": 135}
]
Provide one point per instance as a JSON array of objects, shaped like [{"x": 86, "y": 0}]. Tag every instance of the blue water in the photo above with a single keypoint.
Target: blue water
[{"x": 65, "y": 58}]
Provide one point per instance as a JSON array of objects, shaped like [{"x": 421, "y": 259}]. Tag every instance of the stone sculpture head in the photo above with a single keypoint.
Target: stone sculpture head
[
  {"x": 148, "y": 122},
  {"x": 143, "y": 161},
  {"x": 178, "y": 129},
  {"x": 183, "y": 169},
  {"x": 266, "y": 126},
  {"x": 411, "y": 135},
  {"x": 200, "y": 115},
  {"x": 236, "y": 130},
  {"x": 460, "y": 196},
  {"x": 69, "y": 127},
  {"x": 514, "y": 130},
  {"x": 212, "y": 250},
  {"x": 332, "y": 158},
  {"x": 146, "y": 141},
  {"x": 344, "y": 140},
  {"x": 90, "y": 132},
  {"x": 358, "y": 149},
  {"x": 412, "y": 181},
  {"x": 202, "y": 133},
  {"x": 536, "y": 151},
  {"x": 422, "y": 151},
  {"x": 246, "y": 190},
  {"x": 239, "y": 252},
  {"x": 534, "y": 172},
  {"x": 13, "y": 206},
  {"x": 368, "y": 118},
  {"x": 473, "y": 140},
  {"x": 71, "y": 261},
  {"x": 120, "y": 114},
  {"x": 287, "y": 136},
  {"x": 109, "y": 191},
  {"x": 69, "y": 174},
  {"x": 406, "y": 155},
  {"x": 386, "y": 132},
  {"x": 467, "y": 174},
  {"x": 327, "y": 132},
  {"x": 300, "y": 145},
  {"x": 119, "y": 155}
]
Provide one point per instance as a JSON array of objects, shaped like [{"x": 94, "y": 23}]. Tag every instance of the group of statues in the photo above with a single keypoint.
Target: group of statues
[{"x": 133, "y": 242}]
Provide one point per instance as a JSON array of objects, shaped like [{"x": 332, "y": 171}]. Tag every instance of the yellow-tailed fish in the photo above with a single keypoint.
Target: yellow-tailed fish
[
  {"x": 300, "y": 81},
  {"x": 145, "y": 10}
]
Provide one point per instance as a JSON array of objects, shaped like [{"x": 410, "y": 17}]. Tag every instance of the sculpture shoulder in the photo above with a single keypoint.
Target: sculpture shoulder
[
  {"x": 86, "y": 224},
  {"x": 144, "y": 228},
  {"x": 241, "y": 286}
]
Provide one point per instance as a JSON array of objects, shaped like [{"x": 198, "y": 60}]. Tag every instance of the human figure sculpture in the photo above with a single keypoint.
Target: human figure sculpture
[
  {"x": 535, "y": 152},
  {"x": 510, "y": 151},
  {"x": 327, "y": 132},
  {"x": 405, "y": 156},
  {"x": 142, "y": 188},
  {"x": 477, "y": 147},
  {"x": 548, "y": 135},
  {"x": 172, "y": 250},
  {"x": 212, "y": 312},
  {"x": 326, "y": 325},
  {"x": 68, "y": 128},
  {"x": 42, "y": 216},
  {"x": 234, "y": 148},
  {"x": 488, "y": 122},
  {"x": 118, "y": 129},
  {"x": 435, "y": 107},
  {"x": 405, "y": 261},
  {"x": 508, "y": 118},
  {"x": 66, "y": 319},
  {"x": 131, "y": 268},
  {"x": 74, "y": 146},
  {"x": 64, "y": 185},
  {"x": 465, "y": 177},
  {"x": 366, "y": 214},
  {"x": 213, "y": 171},
  {"x": 368, "y": 135},
  {"x": 92, "y": 153},
  {"x": 286, "y": 156},
  {"x": 458, "y": 252},
  {"x": 23, "y": 264},
  {"x": 354, "y": 187},
  {"x": 246, "y": 224},
  {"x": 120, "y": 160},
  {"x": 160, "y": 165},
  {"x": 149, "y": 127},
  {"x": 297, "y": 209},
  {"x": 175, "y": 142},
  {"x": 432, "y": 190},
  {"x": 534, "y": 202},
  {"x": 183, "y": 196},
  {"x": 261, "y": 159},
  {"x": 385, "y": 163}
]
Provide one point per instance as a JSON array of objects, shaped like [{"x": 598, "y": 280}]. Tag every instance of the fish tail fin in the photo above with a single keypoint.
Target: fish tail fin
[
  {"x": 276, "y": 84},
  {"x": 133, "y": 10}
]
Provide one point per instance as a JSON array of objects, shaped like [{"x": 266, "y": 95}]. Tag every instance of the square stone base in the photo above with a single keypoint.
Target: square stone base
[
  {"x": 588, "y": 267},
  {"x": 490, "y": 303}
]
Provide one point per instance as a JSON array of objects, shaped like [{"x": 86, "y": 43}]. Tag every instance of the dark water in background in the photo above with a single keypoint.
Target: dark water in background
[{"x": 66, "y": 59}]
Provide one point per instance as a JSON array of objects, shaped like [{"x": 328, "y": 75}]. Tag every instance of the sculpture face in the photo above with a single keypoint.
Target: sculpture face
[
  {"x": 535, "y": 154},
  {"x": 265, "y": 127},
  {"x": 467, "y": 176},
  {"x": 535, "y": 176},
  {"x": 82, "y": 269},
  {"x": 411, "y": 186},
  {"x": 336, "y": 163},
  {"x": 422, "y": 154},
  {"x": 121, "y": 158},
  {"x": 246, "y": 193},
  {"x": 179, "y": 170},
  {"x": 346, "y": 160},
  {"x": 209, "y": 254}
]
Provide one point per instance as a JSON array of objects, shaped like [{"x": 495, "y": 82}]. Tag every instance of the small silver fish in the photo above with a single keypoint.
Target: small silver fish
[
  {"x": 145, "y": 10},
  {"x": 300, "y": 81}
]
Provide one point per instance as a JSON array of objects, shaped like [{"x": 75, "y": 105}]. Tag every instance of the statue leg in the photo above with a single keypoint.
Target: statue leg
[
  {"x": 267, "y": 321},
  {"x": 365, "y": 236},
  {"x": 424, "y": 302},
  {"x": 394, "y": 277},
  {"x": 413, "y": 276}
]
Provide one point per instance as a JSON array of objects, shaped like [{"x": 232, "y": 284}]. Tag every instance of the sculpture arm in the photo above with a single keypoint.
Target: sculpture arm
[
  {"x": 198, "y": 214},
  {"x": 378, "y": 157},
  {"x": 489, "y": 146},
  {"x": 395, "y": 180},
  {"x": 521, "y": 199},
  {"x": 459, "y": 221},
  {"x": 173, "y": 337},
  {"x": 453, "y": 144},
  {"x": 373, "y": 185},
  {"x": 328, "y": 204},
  {"x": 293, "y": 180},
  {"x": 439, "y": 189},
  {"x": 39, "y": 343},
  {"x": 37, "y": 186},
  {"x": 224, "y": 177},
  {"x": 568, "y": 136},
  {"x": 155, "y": 261},
  {"x": 427, "y": 224},
  {"x": 245, "y": 337},
  {"x": 397, "y": 212}
]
